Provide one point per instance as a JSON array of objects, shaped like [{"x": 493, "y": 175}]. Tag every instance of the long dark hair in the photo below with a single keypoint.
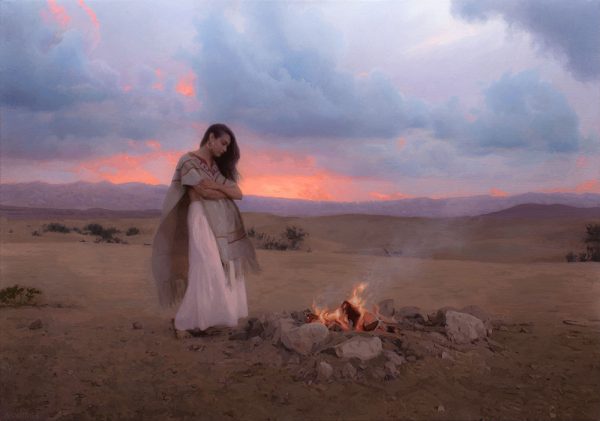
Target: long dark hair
[{"x": 228, "y": 161}]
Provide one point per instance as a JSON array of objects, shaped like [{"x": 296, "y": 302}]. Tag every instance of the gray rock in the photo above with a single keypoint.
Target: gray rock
[
  {"x": 324, "y": 370},
  {"x": 482, "y": 315},
  {"x": 349, "y": 371},
  {"x": 391, "y": 371},
  {"x": 281, "y": 324},
  {"x": 439, "y": 317},
  {"x": 254, "y": 327},
  {"x": 36, "y": 324},
  {"x": 305, "y": 338},
  {"x": 386, "y": 308},
  {"x": 463, "y": 328},
  {"x": 394, "y": 358},
  {"x": 410, "y": 313},
  {"x": 270, "y": 324},
  {"x": 363, "y": 348},
  {"x": 446, "y": 355}
]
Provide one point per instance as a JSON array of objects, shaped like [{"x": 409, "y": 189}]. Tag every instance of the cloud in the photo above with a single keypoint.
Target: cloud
[
  {"x": 61, "y": 101},
  {"x": 272, "y": 80},
  {"x": 521, "y": 112},
  {"x": 45, "y": 66},
  {"x": 568, "y": 30}
]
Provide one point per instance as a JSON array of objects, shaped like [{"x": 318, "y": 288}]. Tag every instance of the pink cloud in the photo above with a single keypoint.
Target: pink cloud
[
  {"x": 588, "y": 186},
  {"x": 58, "y": 14},
  {"x": 185, "y": 85},
  {"x": 160, "y": 80}
]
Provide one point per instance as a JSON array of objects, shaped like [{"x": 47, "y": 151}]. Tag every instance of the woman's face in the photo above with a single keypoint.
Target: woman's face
[{"x": 218, "y": 145}]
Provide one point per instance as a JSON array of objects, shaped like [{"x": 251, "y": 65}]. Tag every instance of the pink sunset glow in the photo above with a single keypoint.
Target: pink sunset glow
[
  {"x": 59, "y": 14},
  {"x": 391, "y": 196},
  {"x": 160, "y": 79},
  {"x": 185, "y": 85},
  {"x": 498, "y": 193},
  {"x": 151, "y": 168},
  {"x": 90, "y": 13}
]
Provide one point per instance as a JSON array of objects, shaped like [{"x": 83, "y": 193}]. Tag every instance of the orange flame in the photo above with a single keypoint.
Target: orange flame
[{"x": 340, "y": 317}]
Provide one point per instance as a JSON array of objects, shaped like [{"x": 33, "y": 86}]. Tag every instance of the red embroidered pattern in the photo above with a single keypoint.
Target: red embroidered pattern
[{"x": 204, "y": 166}]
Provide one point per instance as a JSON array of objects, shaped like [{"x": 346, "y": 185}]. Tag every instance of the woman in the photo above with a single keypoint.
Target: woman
[{"x": 200, "y": 249}]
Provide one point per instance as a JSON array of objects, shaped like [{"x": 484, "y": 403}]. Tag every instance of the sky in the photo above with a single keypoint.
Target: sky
[{"x": 337, "y": 100}]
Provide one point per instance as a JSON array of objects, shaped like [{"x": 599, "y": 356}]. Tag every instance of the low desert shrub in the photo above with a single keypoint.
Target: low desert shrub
[
  {"x": 106, "y": 235},
  {"x": 56, "y": 227},
  {"x": 18, "y": 295},
  {"x": 592, "y": 241},
  {"x": 132, "y": 231},
  {"x": 592, "y": 249},
  {"x": 270, "y": 243},
  {"x": 295, "y": 236},
  {"x": 571, "y": 257},
  {"x": 290, "y": 239}
]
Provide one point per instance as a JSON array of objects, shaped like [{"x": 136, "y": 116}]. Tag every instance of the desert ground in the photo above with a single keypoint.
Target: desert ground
[{"x": 87, "y": 361}]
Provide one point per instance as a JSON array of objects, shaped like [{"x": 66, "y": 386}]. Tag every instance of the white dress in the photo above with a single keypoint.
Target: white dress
[{"x": 212, "y": 297}]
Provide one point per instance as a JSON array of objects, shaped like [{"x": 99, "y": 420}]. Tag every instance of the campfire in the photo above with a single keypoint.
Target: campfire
[{"x": 352, "y": 314}]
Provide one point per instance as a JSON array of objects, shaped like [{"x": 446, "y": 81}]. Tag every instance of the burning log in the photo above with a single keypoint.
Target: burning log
[
  {"x": 351, "y": 312},
  {"x": 351, "y": 315}
]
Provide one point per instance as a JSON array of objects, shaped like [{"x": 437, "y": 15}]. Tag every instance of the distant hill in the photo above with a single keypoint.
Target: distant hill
[
  {"x": 142, "y": 197},
  {"x": 529, "y": 210},
  {"x": 20, "y": 212}
]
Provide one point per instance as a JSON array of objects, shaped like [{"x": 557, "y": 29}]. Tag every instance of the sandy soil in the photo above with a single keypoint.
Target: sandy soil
[{"x": 87, "y": 362}]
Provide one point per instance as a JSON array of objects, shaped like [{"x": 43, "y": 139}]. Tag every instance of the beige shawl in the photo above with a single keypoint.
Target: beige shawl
[{"x": 170, "y": 245}]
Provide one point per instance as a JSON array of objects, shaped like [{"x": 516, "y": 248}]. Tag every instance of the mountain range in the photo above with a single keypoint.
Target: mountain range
[{"x": 145, "y": 197}]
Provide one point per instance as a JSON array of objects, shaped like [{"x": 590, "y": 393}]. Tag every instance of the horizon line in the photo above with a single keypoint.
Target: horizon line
[{"x": 312, "y": 200}]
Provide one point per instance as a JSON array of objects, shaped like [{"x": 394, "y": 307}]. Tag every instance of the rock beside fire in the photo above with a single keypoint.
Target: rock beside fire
[
  {"x": 363, "y": 348},
  {"x": 324, "y": 370},
  {"x": 302, "y": 339},
  {"x": 463, "y": 328},
  {"x": 386, "y": 308},
  {"x": 413, "y": 313}
]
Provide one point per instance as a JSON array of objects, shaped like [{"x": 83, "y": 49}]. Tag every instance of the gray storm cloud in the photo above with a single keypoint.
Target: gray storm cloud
[
  {"x": 45, "y": 69},
  {"x": 60, "y": 102},
  {"x": 267, "y": 80},
  {"x": 521, "y": 112},
  {"x": 570, "y": 30}
]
